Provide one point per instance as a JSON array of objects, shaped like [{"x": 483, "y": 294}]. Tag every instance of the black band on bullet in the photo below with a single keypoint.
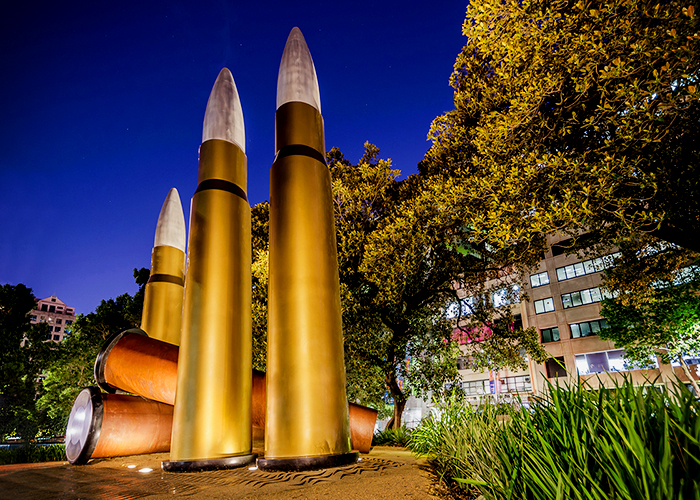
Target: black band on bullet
[
  {"x": 221, "y": 185},
  {"x": 166, "y": 278},
  {"x": 300, "y": 149}
]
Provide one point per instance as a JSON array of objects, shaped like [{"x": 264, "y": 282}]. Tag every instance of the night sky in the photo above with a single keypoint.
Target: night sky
[{"x": 102, "y": 107}]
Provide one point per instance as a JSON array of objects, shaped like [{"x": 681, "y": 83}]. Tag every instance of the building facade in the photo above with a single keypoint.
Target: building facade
[
  {"x": 565, "y": 302},
  {"x": 56, "y": 313}
]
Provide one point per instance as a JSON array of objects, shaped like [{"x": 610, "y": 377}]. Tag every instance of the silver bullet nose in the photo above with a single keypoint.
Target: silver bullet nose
[
  {"x": 170, "y": 230},
  {"x": 223, "y": 118},
  {"x": 297, "y": 80}
]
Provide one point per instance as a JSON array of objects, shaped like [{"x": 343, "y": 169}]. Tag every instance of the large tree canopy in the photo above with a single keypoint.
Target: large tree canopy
[
  {"x": 570, "y": 116},
  {"x": 401, "y": 264}
]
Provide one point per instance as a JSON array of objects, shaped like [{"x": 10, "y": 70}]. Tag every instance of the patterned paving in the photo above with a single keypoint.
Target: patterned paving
[{"x": 69, "y": 482}]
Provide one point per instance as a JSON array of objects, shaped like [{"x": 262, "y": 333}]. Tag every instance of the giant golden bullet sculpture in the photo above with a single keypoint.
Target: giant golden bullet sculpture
[
  {"x": 306, "y": 424},
  {"x": 131, "y": 361},
  {"x": 162, "y": 303},
  {"x": 211, "y": 420}
]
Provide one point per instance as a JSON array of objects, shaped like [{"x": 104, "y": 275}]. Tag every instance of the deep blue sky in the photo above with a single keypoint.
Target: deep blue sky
[{"x": 102, "y": 104}]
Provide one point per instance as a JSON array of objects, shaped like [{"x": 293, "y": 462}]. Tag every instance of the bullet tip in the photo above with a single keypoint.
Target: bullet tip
[
  {"x": 223, "y": 118},
  {"x": 297, "y": 79},
  {"x": 170, "y": 230}
]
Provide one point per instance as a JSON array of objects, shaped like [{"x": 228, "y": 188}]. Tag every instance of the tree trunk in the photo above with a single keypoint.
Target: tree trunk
[
  {"x": 399, "y": 402},
  {"x": 686, "y": 370}
]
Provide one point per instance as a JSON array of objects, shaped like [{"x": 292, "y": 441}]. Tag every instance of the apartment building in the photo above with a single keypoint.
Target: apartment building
[
  {"x": 56, "y": 313},
  {"x": 564, "y": 307}
]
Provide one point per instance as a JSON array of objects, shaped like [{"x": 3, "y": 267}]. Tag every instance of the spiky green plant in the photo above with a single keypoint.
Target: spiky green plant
[
  {"x": 622, "y": 443},
  {"x": 392, "y": 437}
]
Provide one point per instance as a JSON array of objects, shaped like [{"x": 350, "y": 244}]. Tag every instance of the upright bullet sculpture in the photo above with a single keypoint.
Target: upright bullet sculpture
[
  {"x": 162, "y": 304},
  {"x": 307, "y": 410},
  {"x": 212, "y": 415}
]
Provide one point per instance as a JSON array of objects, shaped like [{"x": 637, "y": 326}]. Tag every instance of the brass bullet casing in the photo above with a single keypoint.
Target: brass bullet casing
[
  {"x": 307, "y": 423},
  {"x": 112, "y": 425},
  {"x": 212, "y": 417},
  {"x": 162, "y": 303},
  {"x": 133, "y": 362}
]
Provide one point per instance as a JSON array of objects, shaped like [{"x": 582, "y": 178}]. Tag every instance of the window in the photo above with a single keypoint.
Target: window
[
  {"x": 587, "y": 328},
  {"x": 516, "y": 384},
  {"x": 53, "y": 299},
  {"x": 586, "y": 267},
  {"x": 581, "y": 298},
  {"x": 689, "y": 360},
  {"x": 539, "y": 279},
  {"x": 52, "y": 309},
  {"x": 44, "y": 307},
  {"x": 556, "y": 367},
  {"x": 32, "y": 318},
  {"x": 550, "y": 334},
  {"x": 68, "y": 322},
  {"x": 59, "y": 321},
  {"x": 503, "y": 297},
  {"x": 57, "y": 337},
  {"x": 476, "y": 387},
  {"x": 544, "y": 305},
  {"x": 57, "y": 329},
  {"x": 49, "y": 336},
  {"x": 69, "y": 310},
  {"x": 599, "y": 362}
]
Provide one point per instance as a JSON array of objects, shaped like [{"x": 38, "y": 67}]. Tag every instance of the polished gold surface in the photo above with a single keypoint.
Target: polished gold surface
[
  {"x": 212, "y": 417},
  {"x": 307, "y": 409},
  {"x": 299, "y": 123},
  {"x": 162, "y": 303}
]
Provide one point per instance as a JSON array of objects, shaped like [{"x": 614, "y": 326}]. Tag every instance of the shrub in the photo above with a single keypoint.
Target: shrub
[
  {"x": 391, "y": 437},
  {"x": 32, "y": 453},
  {"x": 622, "y": 443}
]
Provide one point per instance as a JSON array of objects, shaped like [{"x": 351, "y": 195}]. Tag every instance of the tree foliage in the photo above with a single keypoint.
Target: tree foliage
[
  {"x": 656, "y": 310},
  {"x": 573, "y": 116},
  {"x": 401, "y": 263},
  {"x": 23, "y": 353},
  {"x": 72, "y": 368}
]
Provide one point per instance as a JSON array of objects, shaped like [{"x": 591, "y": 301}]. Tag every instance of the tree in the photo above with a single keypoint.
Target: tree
[
  {"x": 654, "y": 313},
  {"x": 23, "y": 353},
  {"x": 260, "y": 219},
  {"x": 72, "y": 368},
  {"x": 573, "y": 116},
  {"x": 402, "y": 261}
]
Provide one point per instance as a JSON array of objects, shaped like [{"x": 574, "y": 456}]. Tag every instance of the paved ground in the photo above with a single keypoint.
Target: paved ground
[{"x": 385, "y": 473}]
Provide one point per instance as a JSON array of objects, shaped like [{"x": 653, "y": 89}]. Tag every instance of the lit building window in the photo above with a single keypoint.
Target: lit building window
[
  {"x": 582, "y": 297},
  {"x": 539, "y": 279},
  {"x": 544, "y": 305},
  {"x": 607, "y": 361},
  {"x": 586, "y": 267},
  {"x": 587, "y": 328}
]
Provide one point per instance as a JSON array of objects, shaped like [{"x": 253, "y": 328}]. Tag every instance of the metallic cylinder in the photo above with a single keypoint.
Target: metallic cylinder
[
  {"x": 110, "y": 425},
  {"x": 162, "y": 303},
  {"x": 307, "y": 423},
  {"x": 212, "y": 418},
  {"x": 132, "y": 362}
]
